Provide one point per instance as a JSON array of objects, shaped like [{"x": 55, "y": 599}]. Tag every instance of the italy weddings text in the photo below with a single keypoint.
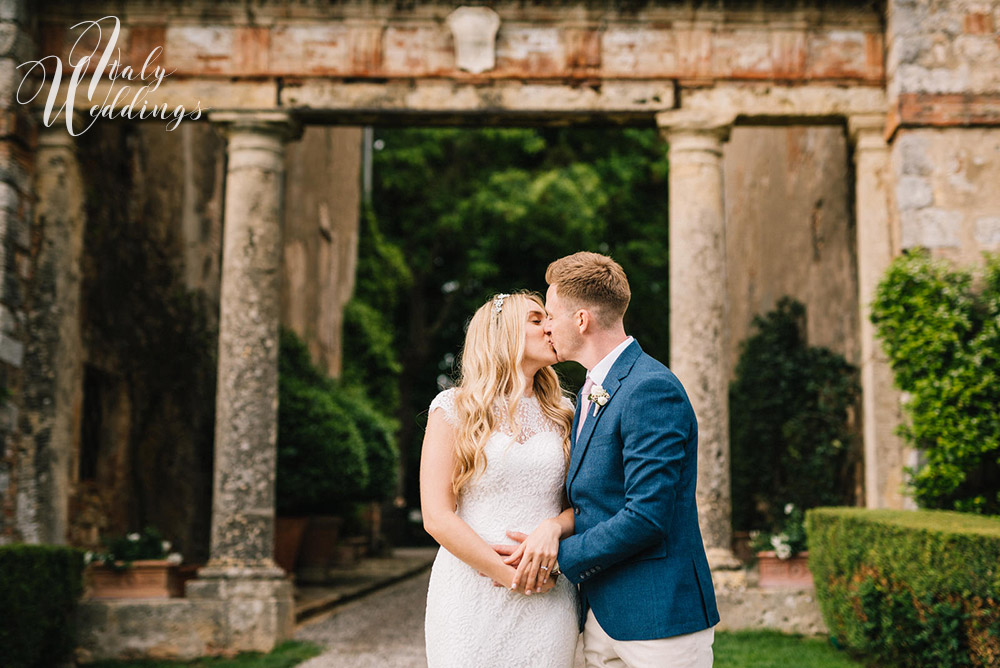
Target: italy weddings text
[{"x": 120, "y": 100}]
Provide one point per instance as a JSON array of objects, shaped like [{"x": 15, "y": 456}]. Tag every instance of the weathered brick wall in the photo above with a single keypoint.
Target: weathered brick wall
[
  {"x": 16, "y": 138},
  {"x": 943, "y": 70}
]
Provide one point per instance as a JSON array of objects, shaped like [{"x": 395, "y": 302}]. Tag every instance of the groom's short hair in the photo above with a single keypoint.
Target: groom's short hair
[{"x": 592, "y": 280}]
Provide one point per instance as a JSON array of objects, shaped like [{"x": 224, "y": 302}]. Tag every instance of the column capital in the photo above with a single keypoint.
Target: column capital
[
  {"x": 710, "y": 124},
  {"x": 866, "y": 131},
  {"x": 280, "y": 123}
]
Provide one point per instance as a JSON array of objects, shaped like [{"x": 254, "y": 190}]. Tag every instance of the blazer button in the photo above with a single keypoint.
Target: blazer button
[{"x": 576, "y": 511}]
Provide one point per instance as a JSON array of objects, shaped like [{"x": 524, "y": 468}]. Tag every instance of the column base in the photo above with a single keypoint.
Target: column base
[
  {"x": 721, "y": 559},
  {"x": 253, "y": 603}
]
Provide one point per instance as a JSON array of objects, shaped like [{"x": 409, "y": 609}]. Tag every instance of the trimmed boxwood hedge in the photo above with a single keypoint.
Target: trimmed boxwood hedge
[
  {"x": 909, "y": 588},
  {"x": 40, "y": 586}
]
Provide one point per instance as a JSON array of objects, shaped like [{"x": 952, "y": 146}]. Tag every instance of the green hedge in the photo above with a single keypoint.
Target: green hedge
[
  {"x": 909, "y": 588},
  {"x": 39, "y": 589}
]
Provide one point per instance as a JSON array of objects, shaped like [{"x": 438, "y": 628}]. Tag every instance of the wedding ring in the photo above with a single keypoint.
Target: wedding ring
[{"x": 544, "y": 568}]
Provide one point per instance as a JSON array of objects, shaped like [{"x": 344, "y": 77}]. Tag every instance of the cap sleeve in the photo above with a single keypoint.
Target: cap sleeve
[{"x": 446, "y": 402}]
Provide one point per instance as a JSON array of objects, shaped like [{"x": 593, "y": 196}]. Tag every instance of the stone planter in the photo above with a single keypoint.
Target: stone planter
[
  {"x": 145, "y": 578},
  {"x": 791, "y": 573}
]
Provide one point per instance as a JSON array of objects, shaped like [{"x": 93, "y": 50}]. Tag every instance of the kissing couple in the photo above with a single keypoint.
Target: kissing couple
[{"x": 585, "y": 517}]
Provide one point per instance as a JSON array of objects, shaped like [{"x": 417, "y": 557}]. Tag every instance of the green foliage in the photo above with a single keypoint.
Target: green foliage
[
  {"x": 789, "y": 429},
  {"x": 771, "y": 649},
  {"x": 39, "y": 590},
  {"x": 287, "y": 654},
  {"x": 909, "y": 589},
  {"x": 942, "y": 337},
  {"x": 120, "y": 551},
  {"x": 334, "y": 446},
  {"x": 476, "y": 212},
  {"x": 369, "y": 351}
]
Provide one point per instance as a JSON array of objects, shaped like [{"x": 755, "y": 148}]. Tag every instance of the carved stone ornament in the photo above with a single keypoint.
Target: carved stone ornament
[{"x": 475, "y": 33}]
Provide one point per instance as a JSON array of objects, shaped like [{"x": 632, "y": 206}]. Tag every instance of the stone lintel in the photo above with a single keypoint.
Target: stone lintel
[
  {"x": 768, "y": 103},
  {"x": 430, "y": 100}
]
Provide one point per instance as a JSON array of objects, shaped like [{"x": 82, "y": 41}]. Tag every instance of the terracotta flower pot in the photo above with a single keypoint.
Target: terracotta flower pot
[
  {"x": 145, "y": 578},
  {"x": 287, "y": 540},
  {"x": 788, "y": 573}
]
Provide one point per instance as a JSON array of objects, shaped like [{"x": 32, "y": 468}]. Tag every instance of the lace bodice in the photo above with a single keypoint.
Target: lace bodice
[{"x": 524, "y": 476}]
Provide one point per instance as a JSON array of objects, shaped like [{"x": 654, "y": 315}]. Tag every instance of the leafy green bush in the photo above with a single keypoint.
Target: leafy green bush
[
  {"x": 909, "y": 588},
  {"x": 789, "y": 430},
  {"x": 942, "y": 336},
  {"x": 39, "y": 589},
  {"x": 334, "y": 447}
]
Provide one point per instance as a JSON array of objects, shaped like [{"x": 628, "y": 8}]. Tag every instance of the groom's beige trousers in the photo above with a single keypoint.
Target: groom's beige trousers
[{"x": 691, "y": 650}]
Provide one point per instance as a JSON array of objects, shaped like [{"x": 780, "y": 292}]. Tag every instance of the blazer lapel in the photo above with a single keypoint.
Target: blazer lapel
[{"x": 619, "y": 370}]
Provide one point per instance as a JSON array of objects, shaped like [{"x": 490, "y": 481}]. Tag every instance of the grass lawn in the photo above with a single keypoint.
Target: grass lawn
[
  {"x": 733, "y": 649},
  {"x": 286, "y": 655},
  {"x": 771, "y": 649}
]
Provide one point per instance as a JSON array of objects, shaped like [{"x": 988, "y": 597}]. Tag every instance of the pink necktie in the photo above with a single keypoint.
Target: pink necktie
[{"x": 585, "y": 404}]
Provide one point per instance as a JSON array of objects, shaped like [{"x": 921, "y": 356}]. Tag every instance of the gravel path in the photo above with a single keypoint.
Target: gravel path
[{"x": 382, "y": 630}]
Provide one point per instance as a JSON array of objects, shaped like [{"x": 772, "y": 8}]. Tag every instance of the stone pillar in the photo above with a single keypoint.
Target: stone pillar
[
  {"x": 699, "y": 311},
  {"x": 884, "y": 451},
  {"x": 53, "y": 366},
  {"x": 241, "y": 577}
]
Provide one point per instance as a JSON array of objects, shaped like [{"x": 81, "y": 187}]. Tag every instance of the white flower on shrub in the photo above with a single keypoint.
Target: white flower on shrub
[
  {"x": 789, "y": 507},
  {"x": 88, "y": 557},
  {"x": 782, "y": 549},
  {"x": 175, "y": 558},
  {"x": 165, "y": 545},
  {"x": 133, "y": 537}
]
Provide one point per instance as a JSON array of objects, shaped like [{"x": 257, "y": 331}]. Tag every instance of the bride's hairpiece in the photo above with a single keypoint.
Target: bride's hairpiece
[{"x": 498, "y": 302}]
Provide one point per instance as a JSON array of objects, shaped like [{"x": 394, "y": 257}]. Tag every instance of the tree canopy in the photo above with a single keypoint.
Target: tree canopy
[{"x": 458, "y": 215}]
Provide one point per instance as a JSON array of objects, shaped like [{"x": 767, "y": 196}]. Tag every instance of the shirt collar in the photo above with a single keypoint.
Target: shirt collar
[{"x": 601, "y": 369}]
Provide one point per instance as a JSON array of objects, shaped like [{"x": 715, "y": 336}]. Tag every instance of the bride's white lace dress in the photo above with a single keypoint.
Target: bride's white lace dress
[{"x": 469, "y": 622}]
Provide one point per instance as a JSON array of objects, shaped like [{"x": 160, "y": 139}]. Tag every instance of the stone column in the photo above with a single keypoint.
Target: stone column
[
  {"x": 53, "y": 367},
  {"x": 884, "y": 451},
  {"x": 241, "y": 575},
  {"x": 699, "y": 311}
]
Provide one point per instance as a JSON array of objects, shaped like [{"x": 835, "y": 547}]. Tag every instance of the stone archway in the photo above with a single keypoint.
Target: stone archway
[{"x": 693, "y": 73}]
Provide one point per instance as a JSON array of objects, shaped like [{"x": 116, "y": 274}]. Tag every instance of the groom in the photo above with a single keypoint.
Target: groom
[{"x": 637, "y": 554}]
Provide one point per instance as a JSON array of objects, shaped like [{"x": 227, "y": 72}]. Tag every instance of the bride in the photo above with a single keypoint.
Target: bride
[{"x": 494, "y": 459}]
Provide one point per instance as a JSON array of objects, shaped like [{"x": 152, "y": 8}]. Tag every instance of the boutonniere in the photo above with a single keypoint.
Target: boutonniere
[{"x": 598, "y": 396}]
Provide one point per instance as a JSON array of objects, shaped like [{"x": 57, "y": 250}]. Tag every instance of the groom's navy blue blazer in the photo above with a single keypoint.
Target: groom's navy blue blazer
[{"x": 637, "y": 551}]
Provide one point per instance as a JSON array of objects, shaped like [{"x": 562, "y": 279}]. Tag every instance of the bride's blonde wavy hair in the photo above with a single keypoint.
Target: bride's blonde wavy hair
[{"x": 490, "y": 371}]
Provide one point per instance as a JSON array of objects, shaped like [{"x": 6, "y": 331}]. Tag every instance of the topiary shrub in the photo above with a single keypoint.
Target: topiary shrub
[
  {"x": 39, "y": 589},
  {"x": 909, "y": 588},
  {"x": 335, "y": 447},
  {"x": 790, "y": 433},
  {"x": 322, "y": 462},
  {"x": 942, "y": 336}
]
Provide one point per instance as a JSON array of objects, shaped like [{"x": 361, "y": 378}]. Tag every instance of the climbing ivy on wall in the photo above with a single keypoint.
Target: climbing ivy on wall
[{"x": 941, "y": 330}]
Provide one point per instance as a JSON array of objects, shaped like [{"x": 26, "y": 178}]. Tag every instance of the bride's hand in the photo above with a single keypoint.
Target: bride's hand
[{"x": 537, "y": 555}]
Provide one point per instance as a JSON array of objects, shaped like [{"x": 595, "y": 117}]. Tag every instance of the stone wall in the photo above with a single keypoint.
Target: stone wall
[
  {"x": 943, "y": 81},
  {"x": 322, "y": 196},
  {"x": 790, "y": 232},
  {"x": 18, "y": 499},
  {"x": 948, "y": 190}
]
